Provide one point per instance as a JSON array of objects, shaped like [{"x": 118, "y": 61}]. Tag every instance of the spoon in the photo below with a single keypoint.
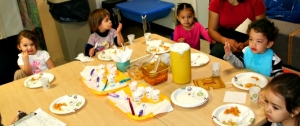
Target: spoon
[{"x": 156, "y": 66}]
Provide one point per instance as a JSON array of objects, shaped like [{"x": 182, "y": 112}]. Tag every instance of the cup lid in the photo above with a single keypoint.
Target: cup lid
[{"x": 180, "y": 47}]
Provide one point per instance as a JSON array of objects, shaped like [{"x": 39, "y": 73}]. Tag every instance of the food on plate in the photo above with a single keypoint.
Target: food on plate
[
  {"x": 248, "y": 85},
  {"x": 166, "y": 48},
  {"x": 57, "y": 106},
  {"x": 153, "y": 49},
  {"x": 233, "y": 110},
  {"x": 35, "y": 78},
  {"x": 230, "y": 123},
  {"x": 256, "y": 78}
]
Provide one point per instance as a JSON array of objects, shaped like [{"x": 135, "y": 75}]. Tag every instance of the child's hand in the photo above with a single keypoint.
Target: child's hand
[
  {"x": 119, "y": 28},
  {"x": 227, "y": 48},
  {"x": 91, "y": 52},
  {"x": 111, "y": 44},
  {"x": 181, "y": 40},
  {"x": 233, "y": 45},
  {"x": 25, "y": 56}
]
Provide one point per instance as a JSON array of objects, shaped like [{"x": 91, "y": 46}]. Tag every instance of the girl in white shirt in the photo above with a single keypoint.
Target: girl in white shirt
[{"x": 31, "y": 61}]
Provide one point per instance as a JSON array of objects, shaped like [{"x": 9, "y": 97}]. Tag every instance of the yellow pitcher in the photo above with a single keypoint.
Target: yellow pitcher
[{"x": 180, "y": 54}]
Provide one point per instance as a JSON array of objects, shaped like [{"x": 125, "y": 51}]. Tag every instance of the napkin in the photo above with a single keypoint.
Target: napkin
[
  {"x": 83, "y": 58},
  {"x": 235, "y": 97},
  {"x": 123, "y": 105},
  {"x": 153, "y": 42},
  {"x": 121, "y": 55},
  {"x": 244, "y": 26}
]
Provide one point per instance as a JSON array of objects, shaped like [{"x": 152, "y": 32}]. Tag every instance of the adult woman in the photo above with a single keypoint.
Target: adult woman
[{"x": 225, "y": 16}]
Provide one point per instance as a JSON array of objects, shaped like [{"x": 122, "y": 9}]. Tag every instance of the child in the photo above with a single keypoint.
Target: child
[
  {"x": 258, "y": 56},
  {"x": 188, "y": 29},
  {"x": 103, "y": 33},
  {"x": 282, "y": 100},
  {"x": 31, "y": 60}
]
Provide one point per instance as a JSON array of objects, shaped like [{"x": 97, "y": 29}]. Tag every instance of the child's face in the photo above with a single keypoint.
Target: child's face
[
  {"x": 258, "y": 43},
  {"x": 105, "y": 24},
  {"x": 275, "y": 108},
  {"x": 186, "y": 17},
  {"x": 27, "y": 45}
]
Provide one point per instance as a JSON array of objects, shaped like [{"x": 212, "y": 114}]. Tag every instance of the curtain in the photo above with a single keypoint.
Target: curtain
[{"x": 31, "y": 20}]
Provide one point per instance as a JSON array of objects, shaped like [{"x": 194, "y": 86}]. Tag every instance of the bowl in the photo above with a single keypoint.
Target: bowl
[
  {"x": 157, "y": 77},
  {"x": 134, "y": 71}
]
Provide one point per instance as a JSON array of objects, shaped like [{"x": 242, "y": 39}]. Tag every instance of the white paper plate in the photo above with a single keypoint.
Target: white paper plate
[
  {"x": 161, "y": 49},
  {"x": 189, "y": 96},
  {"x": 218, "y": 115},
  {"x": 106, "y": 54},
  {"x": 198, "y": 59},
  {"x": 73, "y": 102},
  {"x": 30, "y": 84},
  {"x": 244, "y": 78}
]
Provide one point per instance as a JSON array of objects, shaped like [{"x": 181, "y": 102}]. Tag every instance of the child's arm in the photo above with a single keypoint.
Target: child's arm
[
  {"x": 26, "y": 67},
  {"x": 232, "y": 59},
  {"x": 50, "y": 63},
  {"x": 119, "y": 35}
]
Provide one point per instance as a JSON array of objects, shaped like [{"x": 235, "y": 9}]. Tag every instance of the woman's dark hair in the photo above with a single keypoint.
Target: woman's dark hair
[
  {"x": 96, "y": 17},
  {"x": 288, "y": 86},
  {"x": 183, "y": 6},
  {"x": 265, "y": 27},
  {"x": 29, "y": 35}
]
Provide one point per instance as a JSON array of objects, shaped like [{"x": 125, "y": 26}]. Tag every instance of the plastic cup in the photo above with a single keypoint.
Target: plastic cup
[
  {"x": 147, "y": 36},
  {"x": 215, "y": 68},
  {"x": 148, "y": 92},
  {"x": 136, "y": 96},
  {"x": 155, "y": 95},
  {"x": 254, "y": 93},
  {"x": 131, "y": 38},
  {"x": 122, "y": 65},
  {"x": 132, "y": 86},
  {"x": 141, "y": 89},
  {"x": 45, "y": 82}
]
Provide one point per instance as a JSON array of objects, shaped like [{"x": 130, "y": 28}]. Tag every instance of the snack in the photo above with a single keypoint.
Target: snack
[
  {"x": 248, "y": 85},
  {"x": 230, "y": 123},
  {"x": 233, "y": 110},
  {"x": 256, "y": 78},
  {"x": 155, "y": 78},
  {"x": 57, "y": 106},
  {"x": 35, "y": 78}
]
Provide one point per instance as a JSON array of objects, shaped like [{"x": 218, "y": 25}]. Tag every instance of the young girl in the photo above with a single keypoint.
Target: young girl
[
  {"x": 31, "y": 60},
  {"x": 258, "y": 56},
  {"x": 282, "y": 100},
  {"x": 188, "y": 29},
  {"x": 103, "y": 33}
]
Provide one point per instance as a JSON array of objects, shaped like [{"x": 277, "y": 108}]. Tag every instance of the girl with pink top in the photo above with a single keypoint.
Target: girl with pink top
[{"x": 188, "y": 29}]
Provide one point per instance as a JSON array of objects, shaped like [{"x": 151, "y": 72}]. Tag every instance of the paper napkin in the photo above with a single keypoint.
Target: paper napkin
[
  {"x": 244, "y": 26},
  {"x": 83, "y": 58},
  {"x": 123, "y": 105},
  {"x": 235, "y": 97}
]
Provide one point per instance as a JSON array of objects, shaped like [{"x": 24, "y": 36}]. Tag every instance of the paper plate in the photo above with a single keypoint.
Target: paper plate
[
  {"x": 246, "y": 113},
  {"x": 243, "y": 80},
  {"x": 189, "y": 96},
  {"x": 33, "y": 80},
  {"x": 199, "y": 59},
  {"x": 106, "y": 54},
  {"x": 71, "y": 103},
  {"x": 160, "y": 49}
]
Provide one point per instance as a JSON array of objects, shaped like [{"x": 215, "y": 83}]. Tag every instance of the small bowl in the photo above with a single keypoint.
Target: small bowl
[{"x": 134, "y": 71}]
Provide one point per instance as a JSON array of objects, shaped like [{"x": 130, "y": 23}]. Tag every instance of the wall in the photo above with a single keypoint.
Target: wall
[{"x": 50, "y": 30}]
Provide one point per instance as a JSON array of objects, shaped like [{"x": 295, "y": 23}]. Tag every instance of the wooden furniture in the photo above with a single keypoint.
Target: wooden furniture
[
  {"x": 97, "y": 109},
  {"x": 201, "y": 115}
]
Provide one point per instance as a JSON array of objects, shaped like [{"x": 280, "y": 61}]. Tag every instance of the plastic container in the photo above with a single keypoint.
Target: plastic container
[
  {"x": 159, "y": 76},
  {"x": 154, "y": 9},
  {"x": 134, "y": 71}
]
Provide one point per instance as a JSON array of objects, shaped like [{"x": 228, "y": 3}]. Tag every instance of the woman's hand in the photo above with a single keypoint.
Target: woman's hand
[
  {"x": 181, "y": 40},
  {"x": 91, "y": 52},
  {"x": 233, "y": 45},
  {"x": 119, "y": 28},
  {"x": 227, "y": 48}
]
